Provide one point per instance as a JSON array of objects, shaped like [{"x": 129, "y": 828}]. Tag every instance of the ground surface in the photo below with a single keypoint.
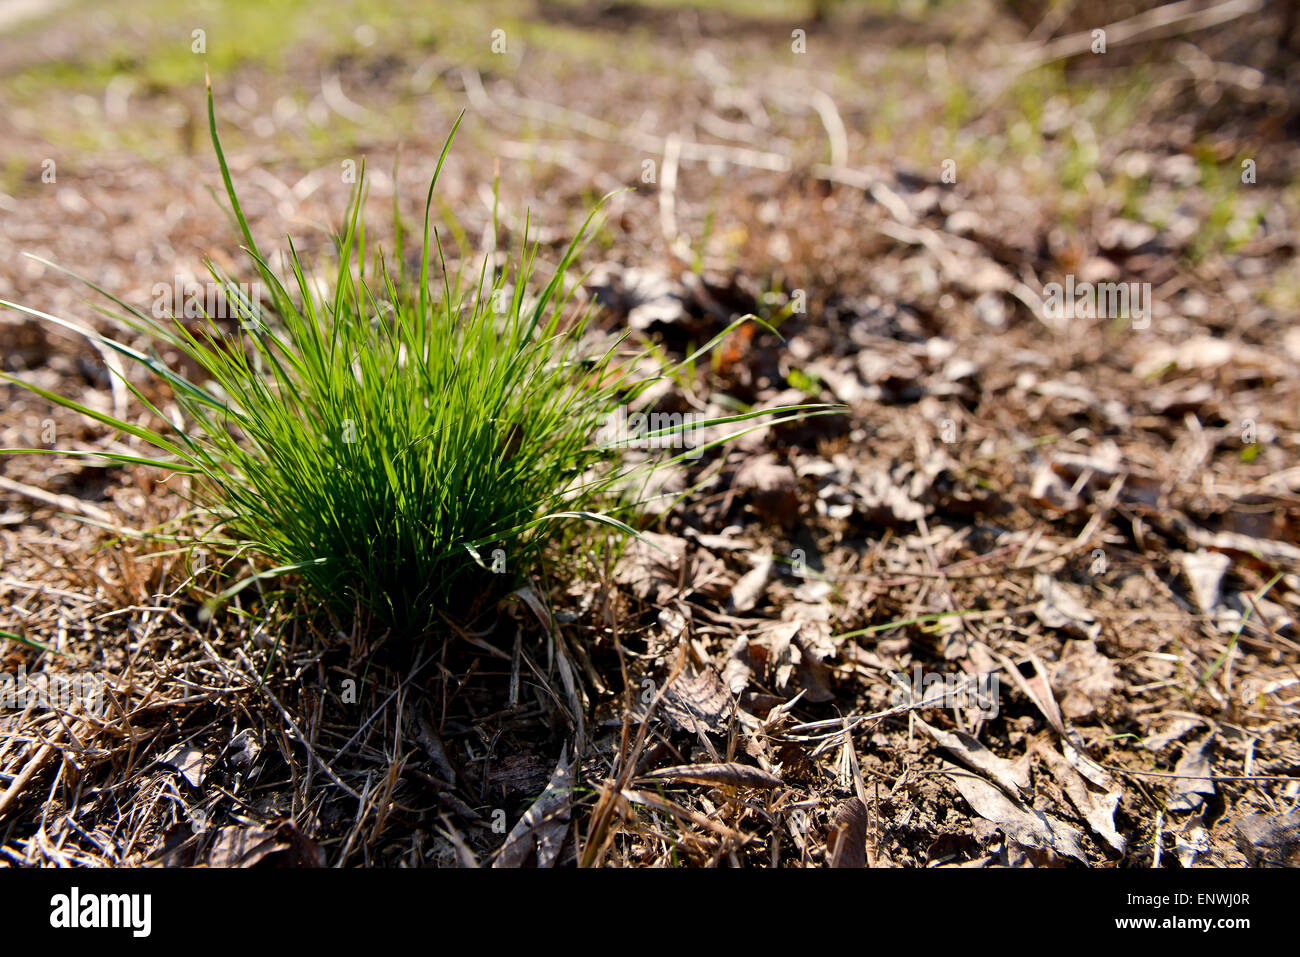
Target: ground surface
[{"x": 1101, "y": 513}]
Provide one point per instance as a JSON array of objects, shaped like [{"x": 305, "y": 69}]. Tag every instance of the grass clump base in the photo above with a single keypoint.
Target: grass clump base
[{"x": 396, "y": 447}]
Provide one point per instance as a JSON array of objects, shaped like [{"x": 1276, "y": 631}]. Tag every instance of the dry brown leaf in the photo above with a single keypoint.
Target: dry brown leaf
[
  {"x": 771, "y": 486},
  {"x": 797, "y": 652},
  {"x": 1095, "y": 805},
  {"x": 698, "y": 700},
  {"x": 188, "y": 761},
  {"x": 1027, "y": 827},
  {"x": 1270, "y": 839},
  {"x": 1172, "y": 732},
  {"x": 1059, "y": 607},
  {"x": 846, "y": 838},
  {"x": 248, "y": 846},
  {"x": 749, "y": 589},
  {"x": 1011, "y": 776},
  {"x": 545, "y": 825},
  {"x": 1190, "y": 792},
  {"x": 651, "y": 567},
  {"x": 736, "y": 671},
  {"x": 1085, "y": 679}
]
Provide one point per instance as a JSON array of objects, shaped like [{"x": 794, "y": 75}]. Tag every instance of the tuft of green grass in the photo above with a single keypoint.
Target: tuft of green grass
[{"x": 396, "y": 446}]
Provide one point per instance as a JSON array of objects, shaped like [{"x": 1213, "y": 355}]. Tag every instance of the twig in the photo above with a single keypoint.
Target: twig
[
  {"x": 68, "y": 503},
  {"x": 830, "y": 117},
  {"x": 668, "y": 196}
]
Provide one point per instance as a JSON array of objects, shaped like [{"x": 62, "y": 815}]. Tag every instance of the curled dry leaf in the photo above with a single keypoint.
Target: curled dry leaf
[
  {"x": 728, "y": 774},
  {"x": 1058, "y": 607},
  {"x": 797, "y": 654},
  {"x": 1191, "y": 790},
  {"x": 846, "y": 839},
  {"x": 1011, "y": 776},
  {"x": 188, "y": 761},
  {"x": 749, "y": 589},
  {"x": 1095, "y": 804}
]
